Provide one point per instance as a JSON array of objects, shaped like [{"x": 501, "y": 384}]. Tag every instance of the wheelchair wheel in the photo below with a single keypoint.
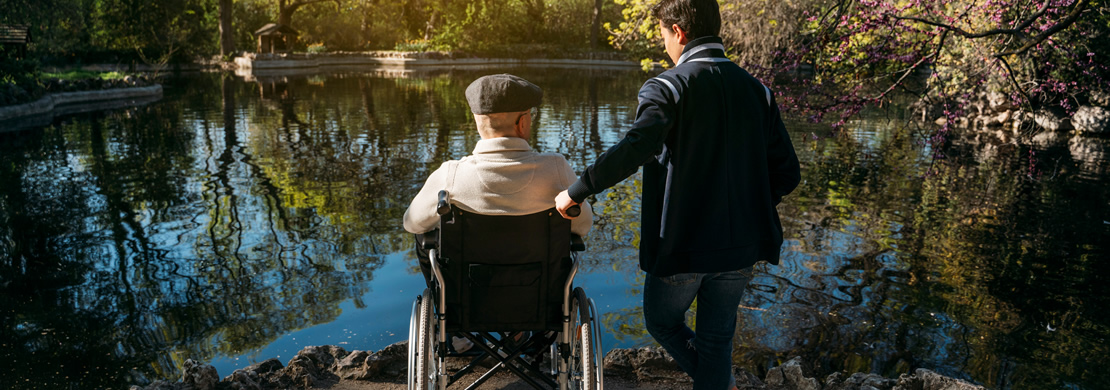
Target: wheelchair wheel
[
  {"x": 585, "y": 364},
  {"x": 599, "y": 352},
  {"x": 414, "y": 340},
  {"x": 421, "y": 344}
]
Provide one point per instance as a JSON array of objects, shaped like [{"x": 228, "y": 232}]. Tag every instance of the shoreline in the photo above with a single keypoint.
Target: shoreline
[
  {"x": 251, "y": 66},
  {"x": 43, "y": 111},
  {"x": 650, "y": 368}
]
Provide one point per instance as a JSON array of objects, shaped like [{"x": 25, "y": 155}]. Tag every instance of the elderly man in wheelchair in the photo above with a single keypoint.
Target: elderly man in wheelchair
[{"x": 498, "y": 259}]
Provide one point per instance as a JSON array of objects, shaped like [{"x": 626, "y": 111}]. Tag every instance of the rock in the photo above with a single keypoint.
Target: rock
[
  {"x": 242, "y": 380},
  {"x": 311, "y": 367},
  {"x": 391, "y": 361},
  {"x": 1021, "y": 121},
  {"x": 923, "y": 379},
  {"x": 1100, "y": 98},
  {"x": 1092, "y": 119},
  {"x": 1052, "y": 118},
  {"x": 990, "y": 120},
  {"x": 645, "y": 364},
  {"x": 859, "y": 381},
  {"x": 790, "y": 375},
  {"x": 1003, "y": 117},
  {"x": 998, "y": 101},
  {"x": 324, "y": 356},
  {"x": 265, "y": 367},
  {"x": 199, "y": 376},
  {"x": 354, "y": 366},
  {"x": 746, "y": 380},
  {"x": 159, "y": 385},
  {"x": 1045, "y": 139},
  {"x": 941, "y": 121}
]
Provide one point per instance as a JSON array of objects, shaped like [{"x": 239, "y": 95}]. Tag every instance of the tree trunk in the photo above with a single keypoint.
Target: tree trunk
[
  {"x": 285, "y": 16},
  {"x": 534, "y": 10},
  {"x": 227, "y": 32},
  {"x": 431, "y": 26},
  {"x": 596, "y": 28}
]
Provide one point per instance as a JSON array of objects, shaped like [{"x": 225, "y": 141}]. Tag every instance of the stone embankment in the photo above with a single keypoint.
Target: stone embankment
[
  {"x": 251, "y": 65},
  {"x": 70, "y": 97},
  {"x": 996, "y": 124},
  {"x": 996, "y": 111},
  {"x": 650, "y": 368}
]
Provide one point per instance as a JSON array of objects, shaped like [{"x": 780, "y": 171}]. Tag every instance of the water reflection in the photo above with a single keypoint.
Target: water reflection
[{"x": 239, "y": 220}]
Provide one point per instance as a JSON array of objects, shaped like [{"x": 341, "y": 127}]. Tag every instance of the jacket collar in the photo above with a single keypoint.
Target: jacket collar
[
  {"x": 704, "y": 47},
  {"x": 502, "y": 144}
]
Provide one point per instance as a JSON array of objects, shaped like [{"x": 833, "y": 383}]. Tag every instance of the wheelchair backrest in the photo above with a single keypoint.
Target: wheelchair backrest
[{"x": 504, "y": 273}]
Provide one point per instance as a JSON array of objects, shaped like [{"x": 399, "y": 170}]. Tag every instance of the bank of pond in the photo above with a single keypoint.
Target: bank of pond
[{"x": 237, "y": 219}]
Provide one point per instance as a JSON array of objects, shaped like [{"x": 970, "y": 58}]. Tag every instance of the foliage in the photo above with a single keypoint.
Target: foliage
[
  {"x": 317, "y": 48},
  {"x": 845, "y": 55},
  {"x": 420, "y": 45},
  {"x": 638, "y": 33},
  {"x": 79, "y": 74},
  {"x": 963, "y": 44},
  {"x": 19, "y": 80},
  {"x": 247, "y": 17}
]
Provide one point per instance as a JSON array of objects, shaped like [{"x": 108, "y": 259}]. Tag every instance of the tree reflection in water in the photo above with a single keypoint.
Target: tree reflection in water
[{"x": 232, "y": 214}]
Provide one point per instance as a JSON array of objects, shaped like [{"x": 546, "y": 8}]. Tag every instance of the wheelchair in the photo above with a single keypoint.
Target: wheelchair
[{"x": 505, "y": 284}]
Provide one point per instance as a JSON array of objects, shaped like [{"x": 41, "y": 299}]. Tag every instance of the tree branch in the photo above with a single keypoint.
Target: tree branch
[
  {"x": 1016, "y": 31},
  {"x": 1013, "y": 80},
  {"x": 965, "y": 33},
  {"x": 936, "y": 53},
  {"x": 1067, "y": 22},
  {"x": 292, "y": 7},
  {"x": 299, "y": 3}
]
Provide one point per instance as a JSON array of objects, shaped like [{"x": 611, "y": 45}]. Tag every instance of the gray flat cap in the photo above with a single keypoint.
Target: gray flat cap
[{"x": 502, "y": 93}]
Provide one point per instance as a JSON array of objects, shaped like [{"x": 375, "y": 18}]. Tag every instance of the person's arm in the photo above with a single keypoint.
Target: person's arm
[
  {"x": 581, "y": 224},
  {"x": 654, "y": 119},
  {"x": 782, "y": 161},
  {"x": 421, "y": 216}
]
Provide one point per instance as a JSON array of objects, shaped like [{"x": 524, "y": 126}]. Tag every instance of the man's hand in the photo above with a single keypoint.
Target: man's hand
[{"x": 564, "y": 202}]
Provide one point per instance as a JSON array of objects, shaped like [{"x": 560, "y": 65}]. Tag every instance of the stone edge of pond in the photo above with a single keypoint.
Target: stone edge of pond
[
  {"x": 325, "y": 366},
  {"x": 253, "y": 61},
  {"x": 75, "y": 102}
]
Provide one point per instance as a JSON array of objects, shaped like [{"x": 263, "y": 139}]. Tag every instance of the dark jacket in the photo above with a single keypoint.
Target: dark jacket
[{"x": 717, "y": 160}]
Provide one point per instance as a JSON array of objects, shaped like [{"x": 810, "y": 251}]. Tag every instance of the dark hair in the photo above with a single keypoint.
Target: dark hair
[{"x": 699, "y": 18}]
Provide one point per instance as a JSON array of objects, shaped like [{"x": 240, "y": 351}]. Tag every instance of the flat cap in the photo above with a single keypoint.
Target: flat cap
[{"x": 502, "y": 93}]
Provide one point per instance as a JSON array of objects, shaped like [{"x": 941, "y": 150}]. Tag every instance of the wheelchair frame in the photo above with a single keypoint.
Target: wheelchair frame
[{"x": 575, "y": 352}]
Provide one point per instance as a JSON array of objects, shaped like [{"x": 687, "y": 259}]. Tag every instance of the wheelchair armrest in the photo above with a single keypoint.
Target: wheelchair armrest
[
  {"x": 576, "y": 243},
  {"x": 430, "y": 239}
]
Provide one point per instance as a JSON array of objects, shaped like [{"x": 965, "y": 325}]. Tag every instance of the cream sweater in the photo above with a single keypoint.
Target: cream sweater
[{"x": 502, "y": 177}]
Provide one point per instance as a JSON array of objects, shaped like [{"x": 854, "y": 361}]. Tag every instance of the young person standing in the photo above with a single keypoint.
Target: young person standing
[{"x": 717, "y": 161}]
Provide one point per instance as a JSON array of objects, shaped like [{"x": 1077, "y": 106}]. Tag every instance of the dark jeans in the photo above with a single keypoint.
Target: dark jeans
[{"x": 706, "y": 355}]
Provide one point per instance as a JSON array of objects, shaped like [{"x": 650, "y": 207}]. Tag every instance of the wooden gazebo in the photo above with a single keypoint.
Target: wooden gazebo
[
  {"x": 15, "y": 36},
  {"x": 275, "y": 38}
]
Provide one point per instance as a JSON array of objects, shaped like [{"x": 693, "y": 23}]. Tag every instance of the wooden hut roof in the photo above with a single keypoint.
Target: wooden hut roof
[{"x": 276, "y": 29}]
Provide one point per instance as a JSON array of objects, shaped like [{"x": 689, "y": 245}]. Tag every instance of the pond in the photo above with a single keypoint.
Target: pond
[{"x": 235, "y": 221}]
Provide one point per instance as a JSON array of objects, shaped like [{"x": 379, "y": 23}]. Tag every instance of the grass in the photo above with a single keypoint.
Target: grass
[{"x": 81, "y": 74}]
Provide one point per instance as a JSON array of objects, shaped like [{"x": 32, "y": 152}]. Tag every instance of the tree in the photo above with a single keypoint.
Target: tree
[
  {"x": 861, "y": 53},
  {"x": 286, "y": 8},
  {"x": 227, "y": 32},
  {"x": 595, "y": 28},
  {"x": 964, "y": 45}
]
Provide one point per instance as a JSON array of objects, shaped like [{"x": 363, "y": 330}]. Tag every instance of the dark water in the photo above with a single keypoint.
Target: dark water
[{"x": 236, "y": 221}]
